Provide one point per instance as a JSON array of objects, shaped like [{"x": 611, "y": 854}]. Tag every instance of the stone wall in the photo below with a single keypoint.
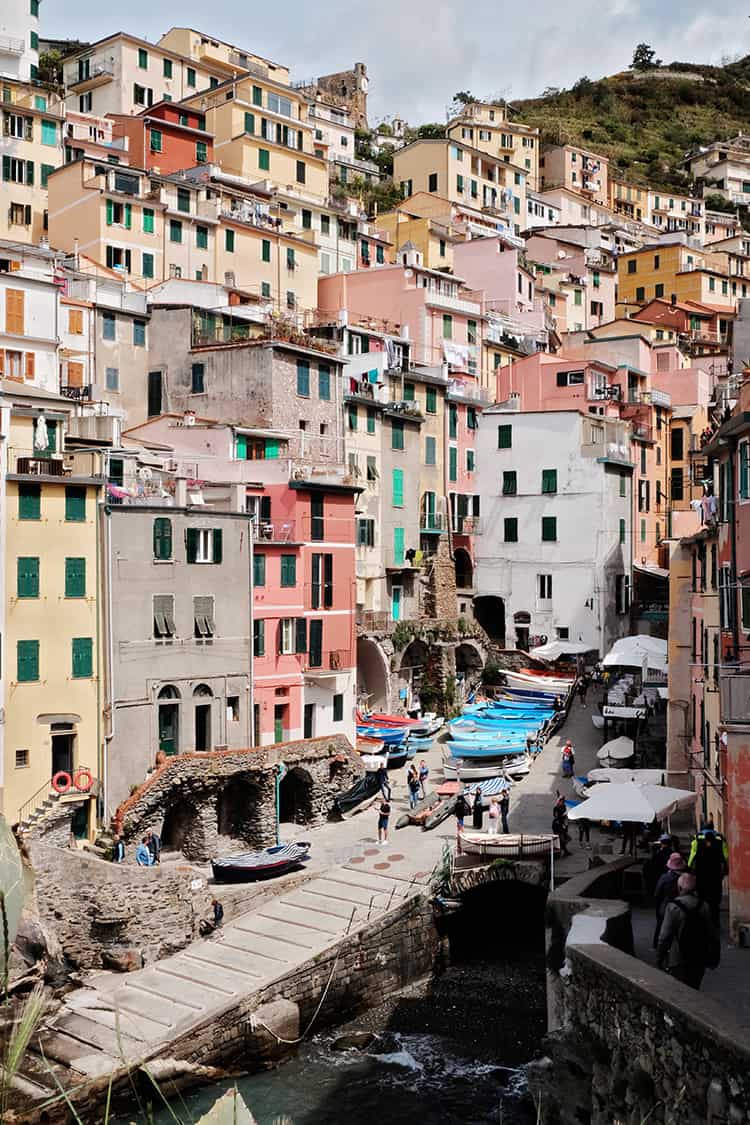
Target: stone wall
[
  {"x": 99, "y": 909},
  {"x": 193, "y": 799}
]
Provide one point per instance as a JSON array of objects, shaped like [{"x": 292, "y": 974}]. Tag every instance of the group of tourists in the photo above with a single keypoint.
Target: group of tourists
[
  {"x": 497, "y": 811},
  {"x": 147, "y": 853}
]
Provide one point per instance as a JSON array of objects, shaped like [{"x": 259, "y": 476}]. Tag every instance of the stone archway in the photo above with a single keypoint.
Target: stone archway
[
  {"x": 372, "y": 675},
  {"x": 489, "y": 612},
  {"x": 414, "y": 660},
  {"x": 296, "y": 797},
  {"x": 182, "y": 830},
  {"x": 239, "y": 811},
  {"x": 464, "y": 569}
]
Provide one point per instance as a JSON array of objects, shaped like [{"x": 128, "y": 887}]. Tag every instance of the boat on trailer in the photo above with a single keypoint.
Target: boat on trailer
[{"x": 253, "y": 866}]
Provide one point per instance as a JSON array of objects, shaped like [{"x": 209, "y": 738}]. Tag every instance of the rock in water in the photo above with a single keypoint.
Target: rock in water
[{"x": 354, "y": 1041}]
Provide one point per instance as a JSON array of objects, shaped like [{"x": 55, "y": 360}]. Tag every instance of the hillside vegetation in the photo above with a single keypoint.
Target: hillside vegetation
[{"x": 646, "y": 121}]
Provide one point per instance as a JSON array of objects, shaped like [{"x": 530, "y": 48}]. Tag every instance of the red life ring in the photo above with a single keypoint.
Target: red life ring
[
  {"x": 83, "y": 780},
  {"x": 61, "y": 782}
]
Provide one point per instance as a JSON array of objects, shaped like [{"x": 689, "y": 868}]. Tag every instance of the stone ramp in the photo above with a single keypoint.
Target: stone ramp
[{"x": 120, "y": 1019}]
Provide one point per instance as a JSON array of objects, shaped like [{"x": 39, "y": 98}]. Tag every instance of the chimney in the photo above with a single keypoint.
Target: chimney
[{"x": 188, "y": 418}]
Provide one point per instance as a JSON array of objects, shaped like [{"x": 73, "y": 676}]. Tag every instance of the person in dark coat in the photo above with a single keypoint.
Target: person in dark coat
[
  {"x": 461, "y": 811},
  {"x": 477, "y": 812},
  {"x": 657, "y": 864},
  {"x": 666, "y": 890},
  {"x": 560, "y": 824},
  {"x": 708, "y": 862},
  {"x": 689, "y": 941}
]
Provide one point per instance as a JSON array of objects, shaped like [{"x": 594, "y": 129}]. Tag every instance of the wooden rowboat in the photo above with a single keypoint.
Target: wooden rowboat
[
  {"x": 252, "y": 866},
  {"x": 508, "y": 846}
]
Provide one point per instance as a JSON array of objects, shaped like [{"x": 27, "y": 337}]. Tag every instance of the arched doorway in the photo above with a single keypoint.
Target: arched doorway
[
  {"x": 464, "y": 569},
  {"x": 372, "y": 675},
  {"x": 169, "y": 719},
  {"x": 295, "y": 797},
  {"x": 202, "y": 695},
  {"x": 411, "y": 674},
  {"x": 238, "y": 810},
  {"x": 469, "y": 664},
  {"x": 489, "y": 612},
  {"x": 179, "y": 825},
  {"x": 522, "y": 623}
]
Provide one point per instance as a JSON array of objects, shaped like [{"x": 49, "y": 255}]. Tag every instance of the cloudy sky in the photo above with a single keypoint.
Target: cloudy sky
[{"x": 420, "y": 52}]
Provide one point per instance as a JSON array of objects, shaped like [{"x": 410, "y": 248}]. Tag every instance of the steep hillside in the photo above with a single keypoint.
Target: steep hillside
[{"x": 645, "y": 121}]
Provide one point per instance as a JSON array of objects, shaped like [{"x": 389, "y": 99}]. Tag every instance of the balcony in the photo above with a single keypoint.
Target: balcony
[
  {"x": 459, "y": 390},
  {"x": 404, "y": 560},
  {"x": 274, "y": 531},
  {"x": 467, "y": 525},
  {"x": 322, "y": 666},
  {"x": 11, "y": 46},
  {"x": 372, "y": 621},
  {"x": 77, "y": 394},
  {"x": 735, "y": 696},
  {"x": 432, "y": 523},
  {"x": 99, "y": 75},
  {"x": 642, "y": 432},
  {"x": 35, "y": 463},
  {"x": 456, "y": 304}
]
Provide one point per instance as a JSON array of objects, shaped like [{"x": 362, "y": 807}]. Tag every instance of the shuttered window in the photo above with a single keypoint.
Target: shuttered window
[
  {"x": 504, "y": 437},
  {"x": 259, "y": 570},
  {"x": 83, "y": 658},
  {"x": 316, "y": 643},
  {"x": 510, "y": 529},
  {"x": 453, "y": 463},
  {"x": 303, "y": 378},
  {"x": 549, "y": 529},
  {"x": 14, "y": 318},
  {"x": 75, "y": 504},
  {"x": 300, "y": 635},
  {"x": 203, "y": 615},
  {"x": 549, "y": 480},
  {"x": 204, "y": 545},
  {"x": 398, "y": 546},
  {"x": 27, "y": 661},
  {"x": 27, "y": 577},
  {"x": 288, "y": 570},
  {"x": 338, "y": 708},
  {"x": 29, "y": 501},
  {"x": 398, "y": 488},
  {"x": 162, "y": 538},
  {"x": 510, "y": 483},
  {"x": 164, "y": 626},
  {"x": 259, "y": 637},
  {"x": 75, "y": 578}
]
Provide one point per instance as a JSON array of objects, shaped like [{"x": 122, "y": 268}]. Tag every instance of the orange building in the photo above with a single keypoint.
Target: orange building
[{"x": 165, "y": 137}]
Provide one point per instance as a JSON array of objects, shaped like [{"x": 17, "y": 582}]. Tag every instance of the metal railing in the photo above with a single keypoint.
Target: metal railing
[
  {"x": 334, "y": 660},
  {"x": 11, "y": 46},
  {"x": 467, "y": 525},
  {"x": 432, "y": 521},
  {"x": 273, "y": 531},
  {"x": 35, "y": 462},
  {"x": 45, "y": 792},
  {"x": 735, "y": 696}
]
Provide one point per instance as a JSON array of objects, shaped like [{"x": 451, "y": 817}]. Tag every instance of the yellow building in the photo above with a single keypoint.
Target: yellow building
[
  {"x": 32, "y": 147},
  {"x": 463, "y": 175},
  {"x": 151, "y": 228},
  {"x": 433, "y": 236},
  {"x": 485, "y": 125},
  {"x": 628, "y": 200},
  {"x": 216, "y": 54},
  {"x": 261, "y": 133},
  {"x": 52, "y": 672},
  {"x": 663, "y": 270}
]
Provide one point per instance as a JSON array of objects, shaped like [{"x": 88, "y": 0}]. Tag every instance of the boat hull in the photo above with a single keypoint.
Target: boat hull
[
  {"x": 256, "y": 866},
  {"x": 511, "y": 846},
  {"x": 459, "y": 769}
]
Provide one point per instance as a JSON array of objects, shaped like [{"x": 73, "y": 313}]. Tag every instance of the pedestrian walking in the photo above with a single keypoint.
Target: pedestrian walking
[
  {"x": 504, "y": 803},
  {"x": 568, "y": 759},
  {"x": 689, "y": 941},
  {"x": 384, "y": 812},
  {"x": 424, "y": 773},
  {"x": 153, "y": 842},
  {"x": 558, "y": 704},
  {"x": 383, "y": 782},
  {"x": 143, "y": 855},
  {"x": 118, "y": 850},
  {"x": 477, "y": 812},
  {"x": 629, "y": 833},
  {"x": 207, "y": 926},
  {"x": 412, "y": 784},
  {"x": 666, "y": 890},
  {"x": 583, "y": 687},
  {"x": 461, "y": 811},
  {"x": 560, "y": 824},
  {"x": 494, "y": 815},
  {"x": 708, "y": 862},
  {"x": 584, "y": 832},
  {"x": 657, "y": 864}
]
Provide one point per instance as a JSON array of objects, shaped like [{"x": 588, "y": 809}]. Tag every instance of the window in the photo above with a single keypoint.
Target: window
[
  {"x": 201, "y": 152},
  {"x": 27, "y": 661},
  {"x": 45, "y": 172},
  {"x": 162, "y": 613},
  {"x": 452, "y": 420},
  {"x": 82, "y": 658},
  {"x": 300, "y": 171},
  {"x": 229, "y": 241},
  {"x": 372, "y": 468},
  {"x": 139, "y": 333},
  {"x": 27, "y": 577},
  {"x": 204, "y": 626},
  {"x": 167, "y": 68},
  {"x": 75, "y": 322},
  {"x": 432, "y": 181},
  {"x": 510, "y": 529},
  {"x": 676, "y": 489},
  {"x": 143, "y": 58},
  {"x": 549, "y": 529},
  {"x": 447, "y": 326},
  {"x": 430, "y": 451},
  {"x": 303, "y": 378},
  {"x": 549, "y": 480},
  {"x": 469, "y": 460},
  {"x": 397, "y": 433},
  {"x": 370, "y": 420},
  {"x": 265, "y": 289},
  {"x": 148, "y": 265},
  {"x": 290, "y": 258},
  {"x": 14, "y": 311},
  {"x": 22, "y": 756},
  {"x": 504, "y": 437},
  {"x": 398, "y": 488},
  {"x": 643, "y": 531},
  {"x": 744, "y": 470},
  {"x": 316, "y": 643},
  {"x": 471, "y": 418},
  {"x": 257, "y": 95},
  {"x": 190, "y": 76},
  {"x": 162, "y": 538},
  {"x": 183, "y": 200},
  {"x": 148, "y": 220},
  {"x": 111, "y": 378},
  {"x": 640, "y": 293},
  {"x": 659, "y": 290},
  {"x": 431, "y": 400},
  {"x": 510, "y": 483},
  {"x": 156, "y": 138},
  {"x": 175, "y": 230},
  {"x": 632, "y": 265},
  {"x": 623, "y": 485},
  {"x": 259, "y": 637},
  {"x": 365, "y": 533},
  {"x": 622, "y": 594},
  {"x": 577, "y": 296},
  {"x": 545, "y": 587},
  {"x": 259, "y": 570},
  {"x": 453, "y": 463},
  {"x": 324, "y": 382},
  {"x": 75, "y": 504},
  {"x": 338, "y": 708},
  {"x": 288, "y": 570},
  {"x": 622, "y": 531},
  {"x": 201, "y": 237},
  {"x": 49, "y": 132},
  {"x": 197, "y": 375},
  {"x": 409, "y": 394},
  {"x": 264, "y": 160},
  {"x": 29, "y": 501},
  {"x": 203, "y": 545}
]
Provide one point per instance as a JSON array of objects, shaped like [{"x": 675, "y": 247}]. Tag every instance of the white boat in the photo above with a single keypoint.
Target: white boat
[
  {"x": 546, "y": 684},
  {"x": 507, "y": 845},
  {"x": 459, "y": 769}
]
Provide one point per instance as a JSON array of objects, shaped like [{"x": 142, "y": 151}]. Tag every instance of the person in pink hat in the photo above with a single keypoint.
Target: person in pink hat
[{"x": 666, "y": 890}]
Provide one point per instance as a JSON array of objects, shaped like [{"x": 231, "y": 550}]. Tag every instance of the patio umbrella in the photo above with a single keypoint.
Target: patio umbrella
[
  {"x": 555, "y": 649},
  {"x": 635, "y": 804},
  {"x": 620, "y": 776},
  {"x": 630, "y": 652},
  {"x": 616, "y": 750}
]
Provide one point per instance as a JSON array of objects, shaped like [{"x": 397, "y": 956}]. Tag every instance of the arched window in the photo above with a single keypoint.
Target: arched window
[
  {"x": 169, "y": 691},
  {"x": 162, "y": 538},
  {"x": 202, "y": 690}
]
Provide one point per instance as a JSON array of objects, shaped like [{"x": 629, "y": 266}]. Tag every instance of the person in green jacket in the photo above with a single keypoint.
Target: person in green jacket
[{"x": 708, "y": 861}]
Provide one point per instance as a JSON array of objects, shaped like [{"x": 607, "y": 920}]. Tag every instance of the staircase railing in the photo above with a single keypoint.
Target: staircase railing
[{"x": 45, "y": 791}]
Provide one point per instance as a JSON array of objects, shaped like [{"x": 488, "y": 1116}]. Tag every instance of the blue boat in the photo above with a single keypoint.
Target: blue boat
[
  {"x": 389, "y": 735},
  {"x": 492, "y": 752},
  {"x": 422, "y": 745},
  {"x": 498, "y": 744},
  {"x": 531, "y": 693}
]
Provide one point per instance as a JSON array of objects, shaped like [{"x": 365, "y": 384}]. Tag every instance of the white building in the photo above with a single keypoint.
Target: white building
[
  {"x": 555, "y": 490},
  {"x": 19, "y": 39},
  {"x": 29, "y": 330},
  {"x": 541, "y": 211}
]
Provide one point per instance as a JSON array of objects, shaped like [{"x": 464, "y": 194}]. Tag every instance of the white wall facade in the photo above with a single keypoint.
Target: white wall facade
[
  {"x": 592, "y": 546},
  {"x": 39, "y": 334},
  {"x": 18, "y": 58}
]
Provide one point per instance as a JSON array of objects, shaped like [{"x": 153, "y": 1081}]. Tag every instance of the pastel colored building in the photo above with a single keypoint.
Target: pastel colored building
[
  {"x": 32, "y": 147},
  {"x": 219, "y": 55},
  {"x": 485, "y": 126},
  {"x": 19, "y": 29},
  {"x": 577, "y": 169},
  {"x": 165, "y": 138},
  {"x": 87, "y": 135},
  {"x": 433, "y": 237},
  {"x": 723, "y": 168},
  {"x": 675, "y": 270},
  {"x": 28, "y": 316}
]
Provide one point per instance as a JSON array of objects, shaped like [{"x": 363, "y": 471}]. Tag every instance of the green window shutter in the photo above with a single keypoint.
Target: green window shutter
[
  {"x": 431, "y": 403},
  {"x": 623, "y": 484},
  {"x": 75, "y": 578},
  {"x": 504, "y": 437},
  {"x": 397, "y": 434},
  {"x": 338, "y": 702},
  {"x": 452, "y": 420},
  {"x": 549, "y": 480},
  {"x": 128, "y": 216},
  {"x": 264, "y": 159},
  {"x": 549, "y": 529},
  {"x": 353, "y": 416},
  {"x": 27, "y": 578},
  {"x": 148, "y": 265},
  {"x": 430, "y": 451},
  {"x": 272, "y": 449},
  {"x": 469, "y": 460},
  {"x": 259, "y": 570},
  {"x": 398, "y": 546},
  {"x": 218, "y": 556},
  {"x": 257, "y": 95},
  {"x": 45, "y": 172},
  {"x": 315, "y": 582},
  {"x": 288, "y": 570},
  {"x": 300, "y": 635},
  {"x": 201, "y": 152},
  {"x": 83, "y": 658},
  {"x": 259, "y": 637},
  {"x": 75, "y": 504},
  {"x": 370, "y": 420},
  {"x": 191, "y": 544},
  {"x": 110, "y": 212},
  {"x": 316, "y": 643},
  {"x": 622, "y": 531},
  {"x": 398, "y": 488},
  {"x": 324, "y": 382},
  {"x": 510, "y": 529},
  {"x": 162, "y": 538},
  {"x": 510, "y": 483},
  {"x": 240, "y": 447},
  {"x": 250, "y": 123},
  {"x": 27, "y": 661},
  {"x": 303, "y": 378},
  {"x": 453, "y": 463},
  {"x": 229, "y": 241},
  {"x": 29, "y": 501},
  {"x": 148, "y": 220},
  {"x": 201, "y": 237},
  {"x": 265, "y": 250}
]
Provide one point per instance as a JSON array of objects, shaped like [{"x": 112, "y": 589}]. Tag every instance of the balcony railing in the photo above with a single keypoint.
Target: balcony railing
[
  {"x": 735, "y": 696},
  {"x": 274, "y": 531},
  {"x": 373, "y": 621},
  {"x": 467, "y": 525},
  {"x": 328, "y": 663},
  {"x": 432, "y": 521},
  {"x": 77, "y": 394},
  {"x": 35, "y": 462},
  {"x": 10, "y": 45}
]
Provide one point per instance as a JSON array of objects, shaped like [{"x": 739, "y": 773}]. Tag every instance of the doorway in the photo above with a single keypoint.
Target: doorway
[
  {"x": 295, "y": 797},
  {"x": 309, "y": 713},
  {"x": 279, "y": 721},
  {"x": 396, "y": 603},
  {"x": 169, "y": 720},
  {"x": 202, "y": 717},
  {"x": 62, "y": 751}
]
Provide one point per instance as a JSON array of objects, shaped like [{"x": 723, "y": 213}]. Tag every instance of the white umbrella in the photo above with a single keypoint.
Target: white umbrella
[
  {"x": 620, "y": 776},
  {"x": 630, "y": 652},
  {"x": 41, "y": 436},
  {"x": 555, "y": 649},
  {"x": 617, "y": 749},
  {"x": 636, "y": 804}
]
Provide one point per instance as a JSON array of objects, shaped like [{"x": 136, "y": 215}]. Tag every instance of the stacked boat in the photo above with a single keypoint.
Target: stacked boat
[{"x": 401, "y": 737}]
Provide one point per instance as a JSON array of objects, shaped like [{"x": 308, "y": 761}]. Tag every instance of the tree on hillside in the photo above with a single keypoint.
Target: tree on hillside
[
  {"x": 644, "y": 58},
  {"x": 583, "y": 86},
  {"x": 463, "y": 97}
]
